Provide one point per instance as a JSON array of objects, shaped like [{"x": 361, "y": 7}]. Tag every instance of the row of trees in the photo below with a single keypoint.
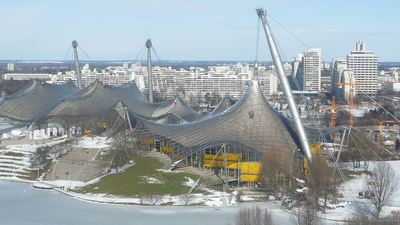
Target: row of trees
[
  {"x": 305, "y": 215},
  {"x": 383, "y": 183}
]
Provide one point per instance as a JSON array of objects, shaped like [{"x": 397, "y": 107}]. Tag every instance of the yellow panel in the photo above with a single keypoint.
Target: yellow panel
[
  {"x": 229, "y": 157},
  {"x": 102, "y": 125},
  {"x": 211, "y": 157},
  {"x": 210, "y": 163},
  {"x": 251, "y": 168},
  {"x": 305, "y": 166},
  {"x": 219, "y": 161},
  {"x": 167, "y": 149},
  {"x": 250, "y": 178},
  {"x": 147, "y": 141},
  {"x": 221, "y": 164},
  {"x": 232, "y": 157},
  {"x": 233, "y": 166},
  {"x": 305, "y": 163},
  {"x": 315, "y": 148}
]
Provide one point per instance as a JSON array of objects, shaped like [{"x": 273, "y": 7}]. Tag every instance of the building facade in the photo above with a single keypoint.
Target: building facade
[
  {"x": 365, "y": 67},
  {"x": 307, "y": 71}
]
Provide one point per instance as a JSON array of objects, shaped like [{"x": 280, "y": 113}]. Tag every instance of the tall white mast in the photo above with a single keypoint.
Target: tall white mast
[
  {"x": 149, "y": 75},
  {"x": 78, "y": 71},
  {"x": 285, "y": 85}
]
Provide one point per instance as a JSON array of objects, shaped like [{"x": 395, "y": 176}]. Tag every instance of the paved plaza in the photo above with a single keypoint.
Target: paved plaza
[{"x": 80, "y": 164}]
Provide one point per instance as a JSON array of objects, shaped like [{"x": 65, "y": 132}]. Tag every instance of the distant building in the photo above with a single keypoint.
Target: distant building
[
  {"x": 338, "y": 66},
  {"x": 191, "y": 83},
  {"x": 341, "y": 74},
  {"x": 307, "y": 71},
  {"x": 365, "y": 67},
  {"x": 10, "y": 66},
  {"x": 325, "y": 66},
  {"x": 27, "y": 76}
]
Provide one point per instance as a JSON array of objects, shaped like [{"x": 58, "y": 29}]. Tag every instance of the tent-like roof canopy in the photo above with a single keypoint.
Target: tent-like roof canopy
[
  {"x": 251, "y": 123},
  {"x": 98, "y": 98},
  {"x": 35, "y": 100}
]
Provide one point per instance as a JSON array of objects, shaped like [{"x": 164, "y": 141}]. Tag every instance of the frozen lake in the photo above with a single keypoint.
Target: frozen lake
[{"x": 20, "y": 203}]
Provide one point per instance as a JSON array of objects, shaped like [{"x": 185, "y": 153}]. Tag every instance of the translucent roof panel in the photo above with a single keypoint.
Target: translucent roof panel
[
  {"x": 35, "y": 100},
  {"x": 225, "y": 104}
]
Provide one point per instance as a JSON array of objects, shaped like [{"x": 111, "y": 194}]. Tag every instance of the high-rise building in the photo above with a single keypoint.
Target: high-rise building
[
  {"x": 10, "y": 66},
  {"x": 365, "y": 68},
  {"x": 338, "y": 66},
  {"x": 307, "y": 70}
]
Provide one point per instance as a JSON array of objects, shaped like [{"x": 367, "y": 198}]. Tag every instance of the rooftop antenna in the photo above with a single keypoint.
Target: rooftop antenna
[
  {"x": 285, "y": 86},
  {"x": 149, "y": 76},
  {"x": 78, "y": 71}
]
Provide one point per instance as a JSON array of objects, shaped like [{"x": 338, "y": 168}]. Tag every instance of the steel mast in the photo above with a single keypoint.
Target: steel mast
[
  {"x": 149, "y": 75},
  {"x": 285, "y": 85},
  {"x": 78, "y": 71}
]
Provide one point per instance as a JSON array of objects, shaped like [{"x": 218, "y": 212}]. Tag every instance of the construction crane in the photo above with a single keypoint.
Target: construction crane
[
  {"x": 351, "y": 105},
  {"x": 372, "y": 104},
  {"x": 352, "y": 85},
  {"x": 380, "y": 121}
]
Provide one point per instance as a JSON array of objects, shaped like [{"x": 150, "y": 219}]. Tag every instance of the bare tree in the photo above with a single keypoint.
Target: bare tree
[
  {"x": 321, "y": 182},
  {"x": 275, "y": 166},
  {"x": 186, "y": 199},
  {"x": 382, "y": 185},
  {"x": 307, "y": 215},
  {"x": 254, "y": 216},
  {"x": 41, "y": 156},
  {"x": 363, "y": 216}
]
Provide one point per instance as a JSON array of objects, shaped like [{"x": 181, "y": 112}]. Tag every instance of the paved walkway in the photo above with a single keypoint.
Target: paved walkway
[
  {"x": 80, "y": 164},
  {"x": 162, "y": 157}
]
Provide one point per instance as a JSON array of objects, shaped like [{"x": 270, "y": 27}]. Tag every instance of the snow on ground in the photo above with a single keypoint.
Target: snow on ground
[
  {"x": 96, "y": 142},
  {"x": 32, "y": 147},
  {"x": 150, "y": 180}
]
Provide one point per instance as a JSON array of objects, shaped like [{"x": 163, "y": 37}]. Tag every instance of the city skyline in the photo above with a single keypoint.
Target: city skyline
[{"x": 184, "y": 30}]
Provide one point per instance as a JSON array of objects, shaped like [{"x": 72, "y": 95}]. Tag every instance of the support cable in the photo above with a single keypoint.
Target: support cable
[
  {"x": 64, "y": 59},
  {"x": 381, "y": 107},
  {"x": 154, "y": 50},
  {"x": 376, "y": 145},
  {"x": 309, "y": 48},
  {"x": 140, "y": 53},
  {"x": 84, "y": 53},
  {"x": 258, "y": 37}
]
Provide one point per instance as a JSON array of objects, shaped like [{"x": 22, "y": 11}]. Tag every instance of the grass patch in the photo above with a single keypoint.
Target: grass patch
[
  {"x": 17, "y": 154},
  {"x": 2, "y": 175},
  {"x": 14, "y": 159},
  {"x": 141, "y": 179},
  {"x": 350, "y": 174},
  {"x": 8, "y": 167},
  {"x": 167, "y": 204},
  {"x": 13, "y": 163},
  {"x": 33, "y": 174}
]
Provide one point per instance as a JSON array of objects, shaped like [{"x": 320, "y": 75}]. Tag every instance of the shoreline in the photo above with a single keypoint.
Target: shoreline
[{"x": 213, "y": 200}]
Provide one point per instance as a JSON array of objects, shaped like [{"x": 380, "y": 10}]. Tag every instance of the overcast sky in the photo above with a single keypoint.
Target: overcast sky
[{"x": 195, "y": 29}]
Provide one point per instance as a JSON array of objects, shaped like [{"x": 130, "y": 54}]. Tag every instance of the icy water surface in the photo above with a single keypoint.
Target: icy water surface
[{"x": 20, "y": 203}]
